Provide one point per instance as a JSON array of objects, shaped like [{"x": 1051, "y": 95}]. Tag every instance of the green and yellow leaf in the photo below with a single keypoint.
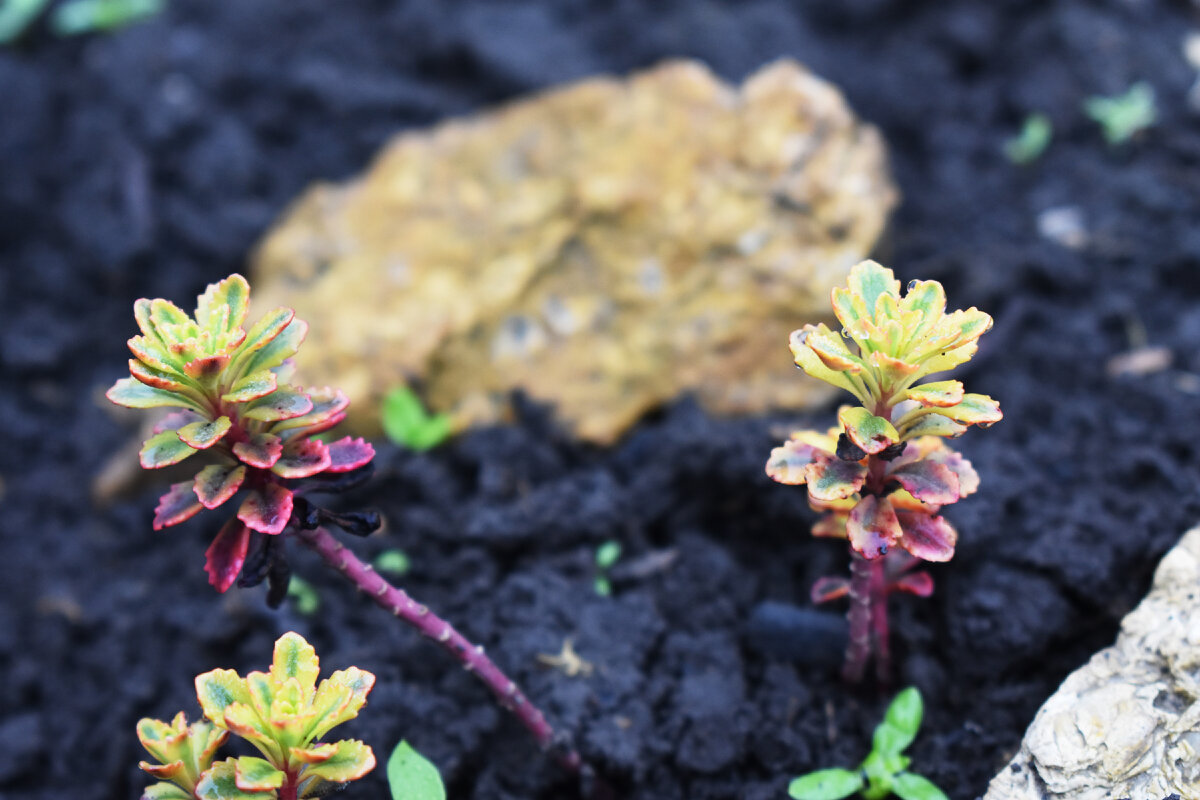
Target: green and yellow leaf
[
  {"x": 941, "y": 394},
  {"x": 204, "y": 434},
  {"x": 256, "y": 775},
  {"x": 165, "y": 791},
  {"x": 975, "y": 409},
  {"x": 251, "y": 387},
  {"x": 931, "y": 425},
  {"x": 351, "y": 761},
  {"x": 217, "y": 483},
  {"x": 339, "y": 698},
  {"x": 807, "y": 360},
  {"x": 869, "y": 433},
  {"x": 133, "y": 393},
  {"x": 278, "y": 405},
  {"x": 220, "y": 783},
  {"x": 163, "y": 450},
  {"x": 224, "y": 304},
  {"x": 294, "y": 657},
  {"x": 217, "y": 690},
  {"x": 276, "y": 351}
]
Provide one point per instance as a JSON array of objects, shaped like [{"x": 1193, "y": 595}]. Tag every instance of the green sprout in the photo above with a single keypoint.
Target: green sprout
[
  {"x": 411, "y": 776},
  {"x": 91, "y": 16},
  {"x": 606, "y": 555},
  {"x": 1027, "y": 146},
  {"x": 304, "y": 596},
  {"x": 393, "y": 562},
  {"x": 1123, "y": 116},
  {"x": 406, "y": 421},
  {"x": 283, "y": 713},
  {"x": 884, "y": 771},
  {"x": 16, "y": 16}
]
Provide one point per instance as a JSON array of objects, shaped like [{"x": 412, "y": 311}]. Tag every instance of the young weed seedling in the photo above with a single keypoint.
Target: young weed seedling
[
  {"x": 407, "y": 422},
  {"x": 1031, "y": 142},
  {"x": 883, "y": 473},
  {"x": 411, "y": 776},
  {"x": 282, "y": 713},
  {"x": 882, "y": 773},
  {"x": 235, "y": 409},
  {"x": 607, "y": 555},
  {"x": 1122, "y": 117}
]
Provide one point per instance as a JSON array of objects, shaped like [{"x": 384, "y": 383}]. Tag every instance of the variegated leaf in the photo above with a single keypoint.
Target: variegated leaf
[
  {"x": 165, "y": 791},
  {"x": 830, "y": 478},
  {"x": 176, "y": 506},
  {"x": 206, "y": 367},
  {"x": 339, "y": 698},
  {"x": 831, "y": 349},
  {"x": 807, "y": 360},
  {"x": 280, "y": 404},
  {"x": 941, "y": 394},
  {"x": 352, "y": 760},
  {"x": 948, "y": 359},
  {"x": 870, "y": 433},
  {"x": 329, "y": 408},
  {"x": 223, "y": 305},
  {"x": 217, "y": 690},
  {"x": 827, "y": 589},
  {"x": 268, "y": 509},
  {"x": 226, "y": 555},
  {"x": 293, "y": 657},
  {"x": 160, "y": 379},
  {"x": 927, "y": 298},
  {"x": 251, "y": 387},
  {"x": 276, "y": 351},
  {"x": 256, "y": 775},
  {"x": 205, "y": 433},
  {"x": 163, "y": 450},
  {"x": 968, "y": 478},
  {"x": 975, "y": 409},
  {"x": 133, "y": 393},
  {"x": 918, "y": 583},
  {"x": 788, "y": 462},
  {"x": 932, "y": 425},
  {"x": 869, "y": 280},
  {"x": 167, "y": 772},
  {"x": 347, "y": 454},
  {"x": 302, "y": 458},
  {"x": 217, "y": 483},
  {"x": 873, "y": 527},
  {"x": 220, "y": 783},
  {"x": 244, "y": 722},
  {"x": 315, "y": 754},
  {"x": 261, "y": 450},
  {"x": 927, "y": 537},
  {"x": 928, "y": 481}
]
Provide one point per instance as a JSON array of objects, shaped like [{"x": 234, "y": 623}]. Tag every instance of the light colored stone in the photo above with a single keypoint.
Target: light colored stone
[
  {"x": 604, "y": 246},
  {"x": 1127, "y": 724}
]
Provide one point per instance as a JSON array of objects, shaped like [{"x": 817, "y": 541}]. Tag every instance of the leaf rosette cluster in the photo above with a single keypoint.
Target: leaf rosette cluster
[
  {"x": 883, "y": 474},
  {"x": 283, "y": 713},
  {"x": 229, "y": 388}
]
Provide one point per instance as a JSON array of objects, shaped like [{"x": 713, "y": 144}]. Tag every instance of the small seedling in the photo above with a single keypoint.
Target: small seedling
[
  {"x": 411, "y": 776},
  {"x": 606, "y": 556},
  {"x": 885, "y": 771},
  {"x": 407, "y": 423},
  {"x": 1028, "y": 146},
  {"x": 883, "y": 473},
  {"x": 394, "y": 562},
  {"x": 16, "y": 16},
  {"x": 92, "y": 16},
  {"x": 234, "y": 408},
  {"x": 302, "y": 593},
  {"x": 1125, "y": 115},
  {"x": 283, "y": 713}
]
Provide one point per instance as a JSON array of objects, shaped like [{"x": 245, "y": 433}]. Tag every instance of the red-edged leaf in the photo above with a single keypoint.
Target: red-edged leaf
[
  {"x": 133, "y": 393},
  {"x": 176, "y": 505},
  {"x": 226, "y": 554},
  {"x": 941, "y": 394},
  {"x": 870, "y": 433},
  {"x": 831, "y": 478},
  {"x": 205, "y": 433},
  {"x": 251, "y": 387},
  {"x": 261, "y": 450},
  {"x": 302, "y": 458},
  {"x": 205, "y": 367},
  {"x": 277, "y": 351},
  {"x": 329, "y": 408},
  {"x": 166, "y": 772},
  {"x": 174, "y": 421},
  {"x": 968, "y": 478},
  {"x": 927, "y": 537},
  {"x": 153, "y": 353},
  {"x": 975, "y": 409},
  {"x": 163, "y": 450},
  {"x": 280, "y": 404},
  {"x": 217, "y": 483},
  {"x": 223, "y": 305},
  {"x": 788, "y": 461},
  {"x": 872, "y": 526},
  {"x": 928, "y": 481},
  {"x": 268, "y": 509},
  {"x": 156, "y": 378},
  {"x": 826, "y": 589},
  {"x": 918, "y": 583},
  {"x": 349, "y": 454}
]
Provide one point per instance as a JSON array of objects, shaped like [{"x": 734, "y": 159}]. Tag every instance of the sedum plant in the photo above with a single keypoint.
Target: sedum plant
[
  {"x": 283, "y": 713},
  {"x": 881, "y": 476},
  {"x": 233, "y": 407},
  {"x": 884, "y": 771}
]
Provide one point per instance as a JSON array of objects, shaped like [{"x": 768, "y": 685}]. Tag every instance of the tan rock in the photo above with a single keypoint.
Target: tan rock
[
  {"x": 1126, "y": 724},
  {"x": 605, "y": 247}
]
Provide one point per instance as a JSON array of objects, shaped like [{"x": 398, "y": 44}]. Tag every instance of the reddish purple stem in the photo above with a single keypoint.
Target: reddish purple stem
[{"x": 397, "y": 602}]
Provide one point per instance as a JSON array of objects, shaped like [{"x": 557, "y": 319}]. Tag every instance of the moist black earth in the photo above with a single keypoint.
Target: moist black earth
[{"x": 147, "y": 162}]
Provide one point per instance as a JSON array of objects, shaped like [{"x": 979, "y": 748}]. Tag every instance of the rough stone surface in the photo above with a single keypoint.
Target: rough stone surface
[
  {"x": 602, "y": 247},
  {"x": 1127, "y": 724}
]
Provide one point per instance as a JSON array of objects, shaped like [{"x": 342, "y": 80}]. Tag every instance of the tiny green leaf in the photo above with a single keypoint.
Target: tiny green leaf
[
  {"x": 302, "y": 593},
  {"x": 412, "y": 777},
  {"x": 900, "y": 723},
  {"x": 1124, "y": 115},
  {"x": 909, "y": 786},
  {"x": 394, "y": 562},
  {"x": 826, "y": 784},
  {"x": 86, "y": 16},
  {"x": 16, "y": 16},
  {"x": 608, "y": 553},
  {"x": 1031, "y": 142},
  {"x": 602, "y": 586},
  {"x": 407, "y": 423}
]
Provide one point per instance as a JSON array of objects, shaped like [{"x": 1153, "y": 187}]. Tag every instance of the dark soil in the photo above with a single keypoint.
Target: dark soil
[{"x": 147, "y": 162}]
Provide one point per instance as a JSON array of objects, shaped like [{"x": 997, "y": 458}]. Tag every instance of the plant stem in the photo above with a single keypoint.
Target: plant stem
[
  {"x": 398, "y": 603},
  {"x": 859, "y": 649},
  {"x": 879, "y": 623}
]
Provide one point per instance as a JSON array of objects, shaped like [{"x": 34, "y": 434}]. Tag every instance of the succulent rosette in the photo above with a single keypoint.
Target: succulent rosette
[
  {"x": 283, "y": 713},
  {"x": 883, "y": 474},
  {"x": 233, "y": 403}
]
